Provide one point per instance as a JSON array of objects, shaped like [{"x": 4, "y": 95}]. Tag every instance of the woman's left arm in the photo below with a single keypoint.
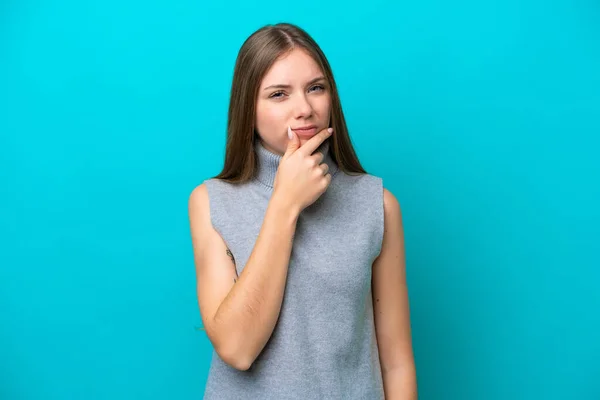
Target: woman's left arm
[{"x": 391, "y": 308}]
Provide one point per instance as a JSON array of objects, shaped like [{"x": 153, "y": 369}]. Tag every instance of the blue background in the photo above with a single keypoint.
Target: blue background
[{"x": 482, "y": 118}]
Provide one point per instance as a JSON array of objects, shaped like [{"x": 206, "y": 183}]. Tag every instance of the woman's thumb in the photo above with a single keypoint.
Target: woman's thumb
[{"x": 293, "y": 143}]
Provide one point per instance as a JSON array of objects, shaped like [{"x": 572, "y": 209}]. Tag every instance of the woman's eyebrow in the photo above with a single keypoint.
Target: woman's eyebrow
[{"x": 282, "y": 86}]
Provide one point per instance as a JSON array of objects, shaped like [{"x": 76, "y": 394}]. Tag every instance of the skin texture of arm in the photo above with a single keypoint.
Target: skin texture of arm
[
  {"x": 391, "y": 308},
  {"x": 240, "y": 313}
]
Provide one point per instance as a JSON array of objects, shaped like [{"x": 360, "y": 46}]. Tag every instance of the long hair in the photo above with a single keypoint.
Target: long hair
[{"x": 256, "y": 56}]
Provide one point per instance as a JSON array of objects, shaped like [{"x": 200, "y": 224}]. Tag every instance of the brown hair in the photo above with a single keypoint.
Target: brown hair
[{"x": 258, "y": 53}]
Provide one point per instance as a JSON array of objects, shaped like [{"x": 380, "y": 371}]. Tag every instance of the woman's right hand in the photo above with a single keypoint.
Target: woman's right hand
[{"x": 301, "y": 177}]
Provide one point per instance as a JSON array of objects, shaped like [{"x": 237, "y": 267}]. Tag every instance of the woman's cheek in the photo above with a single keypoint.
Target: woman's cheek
[
  {"x": 281, "y": 112},
  {"x": 323, "y": 105}
]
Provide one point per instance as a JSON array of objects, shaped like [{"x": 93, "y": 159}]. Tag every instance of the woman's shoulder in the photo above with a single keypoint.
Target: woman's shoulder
[
  {"x": 360, "y": 178},
  {"x": 200, "y": 194},
  {"x": 218, "y": 183},
  {"x": 374, "y": 183},
  {"x": 212, "y": 194},
  {"x": 224, "y": 189}
]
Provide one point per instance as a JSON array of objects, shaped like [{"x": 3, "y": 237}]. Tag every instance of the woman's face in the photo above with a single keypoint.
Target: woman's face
[{"x": 294, "y": 93}]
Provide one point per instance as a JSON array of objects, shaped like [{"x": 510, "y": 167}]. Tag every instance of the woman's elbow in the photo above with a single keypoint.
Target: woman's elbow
[{"x": 235, "y": 357}]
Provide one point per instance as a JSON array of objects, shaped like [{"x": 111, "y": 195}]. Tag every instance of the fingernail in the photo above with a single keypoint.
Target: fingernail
[
  {"x": 289, "y": 132},
  {"x": 330, "y": 130}
]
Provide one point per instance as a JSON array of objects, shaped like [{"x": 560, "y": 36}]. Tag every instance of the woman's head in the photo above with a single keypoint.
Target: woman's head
[
  {"x": 282, "y": 78},
  {"x": 294, "y": 92}
]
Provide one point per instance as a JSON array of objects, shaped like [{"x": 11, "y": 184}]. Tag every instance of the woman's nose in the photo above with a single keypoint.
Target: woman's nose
[{"x": 302, "y": 107}]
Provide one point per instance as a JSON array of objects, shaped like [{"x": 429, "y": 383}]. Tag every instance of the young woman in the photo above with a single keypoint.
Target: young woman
[{"x": 299, "y": 252}]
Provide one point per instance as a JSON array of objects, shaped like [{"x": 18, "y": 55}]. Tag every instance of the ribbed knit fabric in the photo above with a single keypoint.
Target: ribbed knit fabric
[{"x": 324, "y": 344}]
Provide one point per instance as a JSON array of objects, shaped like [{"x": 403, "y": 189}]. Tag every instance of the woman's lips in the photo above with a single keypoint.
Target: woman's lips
[{"x": 308, "y": 131}]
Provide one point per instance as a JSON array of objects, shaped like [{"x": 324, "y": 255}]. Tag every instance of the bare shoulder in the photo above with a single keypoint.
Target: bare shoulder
[
  {"x": 392, "y": 221},
  {"x": 199, "y": 206},
  {"x": 391, "y": 206},
  {"x": 198, "y": 198},
  {"x": 199, "y": 218},
  {"x": 201, "y": 227},
  {"x": 393, "y": 233}
]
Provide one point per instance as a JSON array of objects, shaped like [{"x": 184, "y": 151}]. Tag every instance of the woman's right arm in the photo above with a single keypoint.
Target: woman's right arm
[{"x": 239, "y": 314}]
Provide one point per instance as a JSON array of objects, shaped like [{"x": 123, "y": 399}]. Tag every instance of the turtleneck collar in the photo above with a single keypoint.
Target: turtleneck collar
[{"x": 268, "y": 162}]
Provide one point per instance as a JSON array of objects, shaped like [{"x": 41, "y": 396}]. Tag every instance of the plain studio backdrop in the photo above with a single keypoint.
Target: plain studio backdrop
[{"x": 481, "y": 117}]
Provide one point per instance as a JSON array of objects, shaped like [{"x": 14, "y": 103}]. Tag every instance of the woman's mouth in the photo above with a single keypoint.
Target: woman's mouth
[{"x": 306, "y": 131}]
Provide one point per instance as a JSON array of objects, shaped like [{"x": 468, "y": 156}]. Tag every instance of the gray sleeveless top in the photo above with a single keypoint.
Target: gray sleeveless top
[{"x": 324, "y": 344}]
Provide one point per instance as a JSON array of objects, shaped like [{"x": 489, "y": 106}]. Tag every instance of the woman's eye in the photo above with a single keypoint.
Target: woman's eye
[{"x": 279, "y": 95}]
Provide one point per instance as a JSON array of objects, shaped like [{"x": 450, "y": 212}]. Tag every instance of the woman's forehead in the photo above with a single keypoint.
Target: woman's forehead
[{"x": 294, "y": 68}]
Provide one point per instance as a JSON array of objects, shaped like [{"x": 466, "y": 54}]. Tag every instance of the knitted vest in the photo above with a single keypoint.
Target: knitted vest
[{"x": 324, "y": 344}]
